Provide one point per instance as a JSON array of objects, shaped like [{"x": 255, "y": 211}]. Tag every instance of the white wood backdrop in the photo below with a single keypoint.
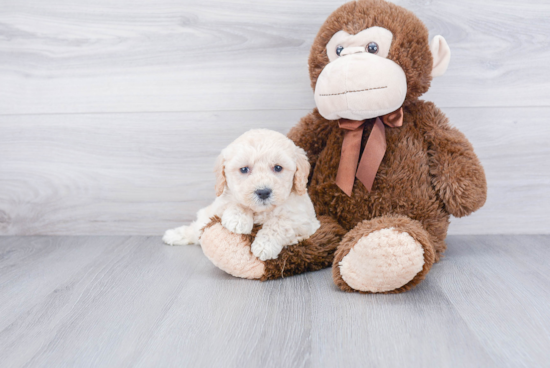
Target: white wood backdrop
[{"x": 112, "y": 111}]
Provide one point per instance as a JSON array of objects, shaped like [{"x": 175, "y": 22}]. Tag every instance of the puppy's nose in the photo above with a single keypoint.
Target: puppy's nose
[{"x": 263, "y": 193}]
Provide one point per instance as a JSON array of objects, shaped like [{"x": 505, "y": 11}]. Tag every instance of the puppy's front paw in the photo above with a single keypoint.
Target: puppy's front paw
[
  {"x": 237, "y": 222},
  {"x": 179, "y": 236},
  {"x": 265, "y": 248}
]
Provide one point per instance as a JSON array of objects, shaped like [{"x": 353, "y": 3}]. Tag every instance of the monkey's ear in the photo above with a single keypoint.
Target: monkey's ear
[
  {"x": 219, "y": 169},
  {"x": 441, "y": 54},
  {"x": 302, "y": 172}
]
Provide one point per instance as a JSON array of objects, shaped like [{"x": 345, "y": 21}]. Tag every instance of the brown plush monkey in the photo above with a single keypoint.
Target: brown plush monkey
[{"x": 387, "y": 168}]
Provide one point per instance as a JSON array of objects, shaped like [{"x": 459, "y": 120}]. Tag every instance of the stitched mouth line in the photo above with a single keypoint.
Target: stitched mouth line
[{"x": 360, "y": 90}]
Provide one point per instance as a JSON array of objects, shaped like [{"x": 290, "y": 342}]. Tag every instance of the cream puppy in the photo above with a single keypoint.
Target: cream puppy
[{"x": 261, "y": 179}]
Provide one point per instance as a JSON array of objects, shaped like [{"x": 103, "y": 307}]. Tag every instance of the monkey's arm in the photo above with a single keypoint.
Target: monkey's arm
[
  {"x": 311, "y": 134},
  {"x": 456, "y": 171}
]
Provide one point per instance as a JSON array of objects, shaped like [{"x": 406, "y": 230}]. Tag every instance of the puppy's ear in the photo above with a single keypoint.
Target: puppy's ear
[
  {"x": 302, "y": 172},
  {"x": 219, "y": 169}
]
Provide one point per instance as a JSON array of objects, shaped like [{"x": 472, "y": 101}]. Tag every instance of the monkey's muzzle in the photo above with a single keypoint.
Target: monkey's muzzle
[{"x": 360, "y": 86}]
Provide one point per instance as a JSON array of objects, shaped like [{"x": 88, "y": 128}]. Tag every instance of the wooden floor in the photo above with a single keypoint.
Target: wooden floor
[{"x": 119, "y": 301}]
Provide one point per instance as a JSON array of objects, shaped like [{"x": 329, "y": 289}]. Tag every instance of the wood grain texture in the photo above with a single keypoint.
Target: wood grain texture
[
  {"x": 206, "y": 55},
  {"x": 132, "y": 302},
  {"x": 144, "y": 173},
  {"x": 112, "y": 112},
  {"x": 114, "y": 173}
]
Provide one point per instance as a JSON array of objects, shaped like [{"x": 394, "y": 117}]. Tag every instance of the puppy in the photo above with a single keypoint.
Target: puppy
[{"x": 261, "y": 179}]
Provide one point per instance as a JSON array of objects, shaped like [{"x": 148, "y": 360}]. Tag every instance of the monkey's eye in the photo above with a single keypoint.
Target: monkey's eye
[
  {"x": 278, "y": 168},
  {"x": 244, "y": 170},
  {"x": 339, "y": 49},
  {"x": 372, "y": 47}
]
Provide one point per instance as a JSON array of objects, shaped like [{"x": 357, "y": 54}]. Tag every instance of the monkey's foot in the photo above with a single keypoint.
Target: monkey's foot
[{"x": 381, "y": 260}]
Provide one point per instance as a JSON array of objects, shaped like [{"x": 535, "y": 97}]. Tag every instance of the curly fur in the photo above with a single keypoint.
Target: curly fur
[{"x": 286, "y": 212}]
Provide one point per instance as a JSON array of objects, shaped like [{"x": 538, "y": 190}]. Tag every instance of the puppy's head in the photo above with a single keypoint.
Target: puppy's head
[{"x": 261, "y": 168}]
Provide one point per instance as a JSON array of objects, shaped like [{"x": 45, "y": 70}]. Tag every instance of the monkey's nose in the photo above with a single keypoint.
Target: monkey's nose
[
  {"x": 263, "y": 193},
  {"x": 352, "y": 50}
]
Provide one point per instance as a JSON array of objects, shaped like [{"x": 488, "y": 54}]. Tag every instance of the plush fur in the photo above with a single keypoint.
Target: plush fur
[
  {"x": 231, "y": 252},
  {"x": 383, "y": 260},
  {"x": 399, "y": 224},
  {"x": 429, "y": 171}
]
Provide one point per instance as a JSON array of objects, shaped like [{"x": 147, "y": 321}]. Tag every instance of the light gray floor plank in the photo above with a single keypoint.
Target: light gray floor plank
[
  {"x": 140, "y": 174},
  {"x": 166, "y": 55},
  {"x": 494, "y": 295},
  {"x": 240, "y": 325},
  {"x": 405, "y": 330},
  {"x": 130, "y": 301}
]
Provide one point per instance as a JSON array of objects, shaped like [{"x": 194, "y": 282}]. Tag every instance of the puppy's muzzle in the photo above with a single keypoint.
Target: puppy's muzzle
[{"x": 263, "y": 194}]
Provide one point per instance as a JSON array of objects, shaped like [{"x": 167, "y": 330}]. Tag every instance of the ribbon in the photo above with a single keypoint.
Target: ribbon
[{"x": 373, "y": 153}]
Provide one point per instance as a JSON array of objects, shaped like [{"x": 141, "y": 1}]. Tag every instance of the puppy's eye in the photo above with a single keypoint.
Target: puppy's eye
[
  {"x": 278, "y": 168},
  {"x": 339, "y": 49},
  {"x": 244, "y": 170},
  {"x": 372, "y": 48}
]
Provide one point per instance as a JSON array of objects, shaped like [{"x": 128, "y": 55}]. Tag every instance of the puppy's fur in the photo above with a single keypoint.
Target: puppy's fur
[{"x": 286, "y": 215}]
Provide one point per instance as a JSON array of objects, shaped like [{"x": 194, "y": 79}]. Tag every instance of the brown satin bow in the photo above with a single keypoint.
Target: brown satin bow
[{"x": 372, "y": 155}]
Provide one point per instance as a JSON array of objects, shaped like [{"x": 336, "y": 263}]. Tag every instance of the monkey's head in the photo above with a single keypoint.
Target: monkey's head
[{"x": 371, "y": 57}]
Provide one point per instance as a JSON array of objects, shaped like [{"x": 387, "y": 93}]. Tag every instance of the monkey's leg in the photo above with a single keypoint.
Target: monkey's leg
[
  {"x": 231, "y": 252},
  {"x": 388, "y": 254}
]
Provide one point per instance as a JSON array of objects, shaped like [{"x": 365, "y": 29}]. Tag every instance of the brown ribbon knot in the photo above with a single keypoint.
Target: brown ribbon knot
[{"x": 372, "y": 155}]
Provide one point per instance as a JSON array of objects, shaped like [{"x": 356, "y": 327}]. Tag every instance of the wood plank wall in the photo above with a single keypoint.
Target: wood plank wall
[{"x": 113, "y": 111}]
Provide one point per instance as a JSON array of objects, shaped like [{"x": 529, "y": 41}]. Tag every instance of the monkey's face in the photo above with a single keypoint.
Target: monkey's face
[
  {"x": 371, "y": 57},
  {"x": 360, "y": 82}
]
